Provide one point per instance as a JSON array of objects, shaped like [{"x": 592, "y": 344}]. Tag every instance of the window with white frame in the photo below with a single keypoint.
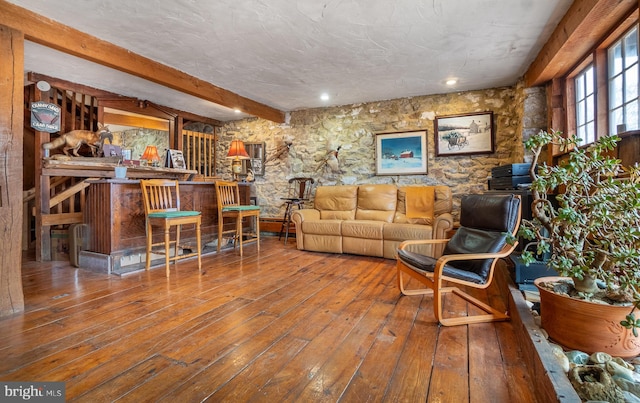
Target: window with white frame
[
  {"x": 623, "y": 75},
  {"x": 585, "y": 105}
]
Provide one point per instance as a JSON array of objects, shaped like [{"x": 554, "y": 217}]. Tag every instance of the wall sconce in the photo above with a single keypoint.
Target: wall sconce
[
  {"x": 151, "y": 156},
  {"x": 237, "y": 152}
]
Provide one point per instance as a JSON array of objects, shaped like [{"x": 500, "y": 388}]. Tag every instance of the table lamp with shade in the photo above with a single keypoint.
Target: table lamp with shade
[
  {"x": 237, "y": 152},
  {"x": 150, "y": 155}
]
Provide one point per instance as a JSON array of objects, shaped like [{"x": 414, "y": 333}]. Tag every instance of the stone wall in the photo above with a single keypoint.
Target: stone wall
[
  {"x": 137, "y": 139},
  {"x": 534, "y": 117},
  {"x": 313, "y": 133}
]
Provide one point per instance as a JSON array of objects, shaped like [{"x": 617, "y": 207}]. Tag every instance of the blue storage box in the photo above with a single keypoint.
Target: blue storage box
[{"x": 525, "y": 275}]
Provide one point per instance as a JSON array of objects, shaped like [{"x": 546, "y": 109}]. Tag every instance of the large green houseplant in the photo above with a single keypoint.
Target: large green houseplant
[{"x": 590, "y": 227}]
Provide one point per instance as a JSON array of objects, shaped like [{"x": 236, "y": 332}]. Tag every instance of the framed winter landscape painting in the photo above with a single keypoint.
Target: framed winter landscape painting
[
  {"x": 470, "y": 133},
  {"x": 402, "y": 153}
]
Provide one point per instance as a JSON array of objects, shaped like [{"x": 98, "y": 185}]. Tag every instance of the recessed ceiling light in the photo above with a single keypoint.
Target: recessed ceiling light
[
  {"x": 236, "y": 110},
  {"x": 324, "y": 97},
  {"x": 451, "y": 81}
]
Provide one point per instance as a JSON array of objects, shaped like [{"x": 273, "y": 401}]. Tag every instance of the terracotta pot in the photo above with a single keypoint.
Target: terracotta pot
[{"x": 585, "y": 326}]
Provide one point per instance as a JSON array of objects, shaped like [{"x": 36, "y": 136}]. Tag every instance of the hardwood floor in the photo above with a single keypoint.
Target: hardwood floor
[{"x": 286, "y": 325}]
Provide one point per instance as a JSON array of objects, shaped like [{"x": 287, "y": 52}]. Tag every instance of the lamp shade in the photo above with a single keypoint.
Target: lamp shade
[
  {"x": 237, "y": 151},
  {"x": 150, "y": 154}
]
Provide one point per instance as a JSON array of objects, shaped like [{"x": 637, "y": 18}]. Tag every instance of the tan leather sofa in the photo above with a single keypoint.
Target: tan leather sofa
[{"x": 372, "y": 220}]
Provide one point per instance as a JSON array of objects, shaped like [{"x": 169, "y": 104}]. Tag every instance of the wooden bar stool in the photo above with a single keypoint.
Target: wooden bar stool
[
  {"x": 162, "y": 209},
  {"x": 228, "y": 195}
]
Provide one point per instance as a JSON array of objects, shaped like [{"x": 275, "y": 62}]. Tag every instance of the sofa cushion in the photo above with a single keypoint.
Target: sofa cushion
[
  {"x": 363, "y": 229},
  {"x": 336, "y": 202},
  {"x": 403, "y": 232},
  {"x": 443, "y": 204},
  {"x": 322, "y": 243},
  {"x": 363, "y": 246},
  {"x": 322, "y": 227},
  {"x": 377, "y": 202}
]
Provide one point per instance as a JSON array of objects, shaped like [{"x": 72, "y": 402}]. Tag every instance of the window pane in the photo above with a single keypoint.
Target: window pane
[
  {"x": 590, "y": 136},
  {"x": 631, "y": 82},
  {"x": 583, "y": 85},
  {"x": 589, "y": 106},
  {"x": 615, "y": 119},
  {"x": 580, "y": 115},
  {"x": 631, "y": 48},
  {"x": 615, "y": 92},
  {"x": 623, "y": 76},
  {"x": 631, "y": 114},
  {"x": 615, "y": 59},
  {"x": 579, "y": 84},
  {"x": 589, "y": 80}
]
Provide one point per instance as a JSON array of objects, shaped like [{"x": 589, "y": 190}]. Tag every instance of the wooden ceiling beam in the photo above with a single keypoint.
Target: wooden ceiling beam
[
  {"x": 49, "y": 33},
  {"x": 580, "y": 30},
  {"x": 137, "y": 106},
  {"x": 128, "y": 102},
  {"x": 190, "y": 116},
  {"x": 67, "y": 85},
  {"x": 135, "y": 121}
]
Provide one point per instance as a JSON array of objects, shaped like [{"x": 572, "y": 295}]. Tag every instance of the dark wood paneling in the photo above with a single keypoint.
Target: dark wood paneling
[
  {"x": 115, "y": 214},
  {"x": 629, "y": 148}
]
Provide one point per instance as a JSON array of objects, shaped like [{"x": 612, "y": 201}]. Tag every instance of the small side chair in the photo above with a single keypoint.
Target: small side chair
[
  {"x": 162, "y": 209},
  {"x": 469, "y": 257},
  {"x": 228, "y": 195},
  {"x": 299, "y": 193}
]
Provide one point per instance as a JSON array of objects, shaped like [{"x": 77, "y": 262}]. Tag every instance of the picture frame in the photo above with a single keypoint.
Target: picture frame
[
  {"x": 175, "y": 159},
  {"x": 401, "y": 153},
  {"x": 256, "y": 159},
  {"x": 464, "y": 134}
]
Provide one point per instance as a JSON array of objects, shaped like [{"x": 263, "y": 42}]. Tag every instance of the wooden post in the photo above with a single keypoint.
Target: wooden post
[
  {"x": 556, "y": 105},
  {"x": 179, "y": 144},
  {"x": 11, "y": 139},
  {"x": 43, "y": 192}
]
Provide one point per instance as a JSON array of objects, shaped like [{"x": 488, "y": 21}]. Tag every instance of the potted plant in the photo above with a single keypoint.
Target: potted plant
[{"x": 590, "y": 232}]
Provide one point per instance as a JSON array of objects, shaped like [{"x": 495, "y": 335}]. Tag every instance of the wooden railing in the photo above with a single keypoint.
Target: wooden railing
[
  {"x": 67, "y": 198},
  {"x": 199, "y": 151},
  {"x": 66, "y": 202},
  {"x": 58, "y": 200}
]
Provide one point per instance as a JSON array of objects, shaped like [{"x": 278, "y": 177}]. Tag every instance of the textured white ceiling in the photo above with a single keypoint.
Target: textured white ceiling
[{"x": 285, "y": 53}]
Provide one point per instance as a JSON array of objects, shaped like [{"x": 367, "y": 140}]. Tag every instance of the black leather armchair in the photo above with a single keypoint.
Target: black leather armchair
[{"x": 469, "y": 257}]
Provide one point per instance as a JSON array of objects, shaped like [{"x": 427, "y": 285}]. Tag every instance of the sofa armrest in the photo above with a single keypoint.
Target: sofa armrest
[
  {"x": 441, "y": 225},
  {"x": 299, "y": 216}
]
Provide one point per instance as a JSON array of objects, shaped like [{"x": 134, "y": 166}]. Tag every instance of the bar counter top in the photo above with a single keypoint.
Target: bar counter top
[{"x": 105, "y": 168}]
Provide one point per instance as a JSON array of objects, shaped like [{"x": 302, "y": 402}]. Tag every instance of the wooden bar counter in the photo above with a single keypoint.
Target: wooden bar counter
[{"x": 115, "y": 218}]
